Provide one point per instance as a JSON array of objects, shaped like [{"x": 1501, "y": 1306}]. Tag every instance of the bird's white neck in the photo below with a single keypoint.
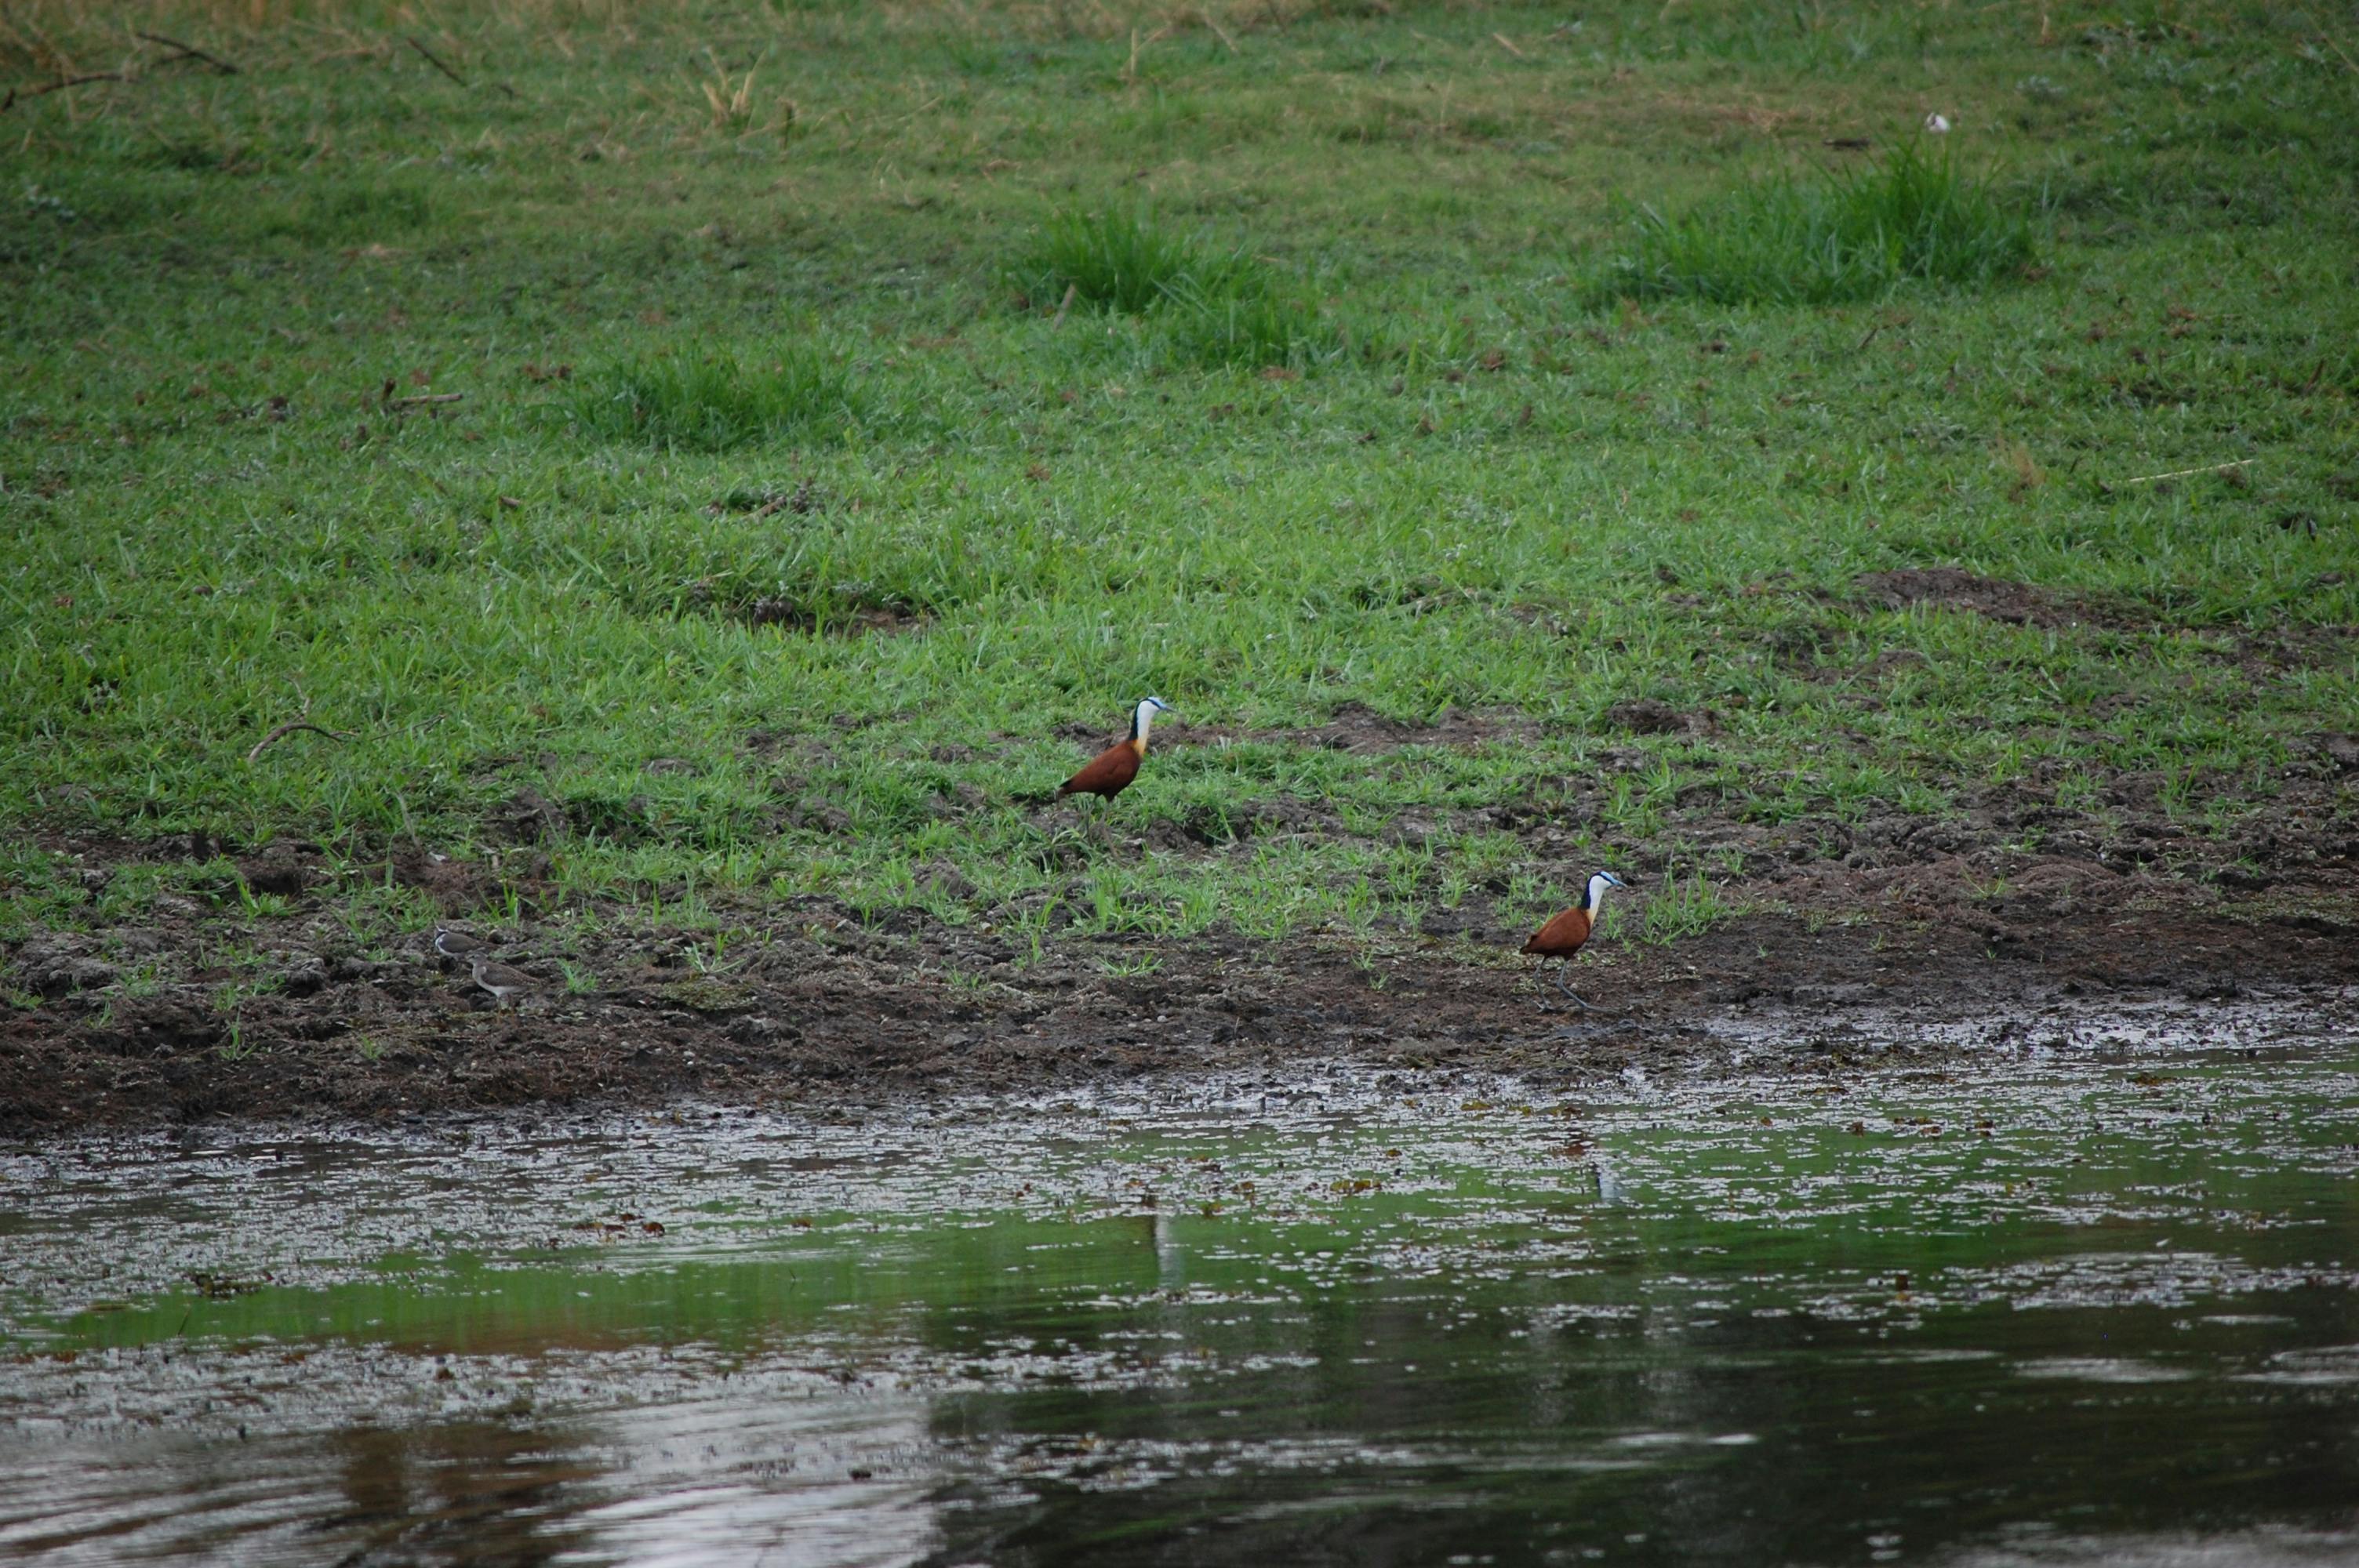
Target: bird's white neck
[
  {"x": 1597, "y": 886},
  {"x": 1140, "y": 722}
]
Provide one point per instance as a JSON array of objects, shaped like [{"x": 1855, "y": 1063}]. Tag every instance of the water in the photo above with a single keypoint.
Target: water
[{"x": 2086, "y": 1302}]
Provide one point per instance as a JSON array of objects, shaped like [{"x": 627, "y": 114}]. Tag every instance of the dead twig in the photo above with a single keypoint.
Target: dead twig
[
  {"x": 1064, "y": 305},
  {"x": 1509, "y": 45},
  {"x": 1870, "y": 337},
  {"x": 435, "y": 61},
  {"x": 1219, "y": 31},
  {"x": 190, "y": 51},
  {"x": 423, "y": 399},
  {"x": 60, "y": 86},
  {"x": 289, "y": 728},
  {"x": 2181, "y": 474}
]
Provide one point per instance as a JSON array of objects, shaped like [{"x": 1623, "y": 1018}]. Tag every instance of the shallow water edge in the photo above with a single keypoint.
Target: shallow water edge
[{"x": 2093, "y": 1297}]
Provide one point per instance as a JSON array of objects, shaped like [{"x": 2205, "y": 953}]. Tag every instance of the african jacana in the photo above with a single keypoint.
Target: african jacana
[
  {"x": 1111, "y": 771},
  {"x": 1562, "y": 937},
  {"x": 501, "y": 980}
]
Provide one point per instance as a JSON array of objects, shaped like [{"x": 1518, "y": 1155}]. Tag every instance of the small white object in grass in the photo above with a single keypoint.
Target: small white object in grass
[{"x": 1938, "y": 123}]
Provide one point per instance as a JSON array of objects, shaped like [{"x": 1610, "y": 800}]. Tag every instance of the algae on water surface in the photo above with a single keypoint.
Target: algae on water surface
[{"x": 1281, "y": 1319}]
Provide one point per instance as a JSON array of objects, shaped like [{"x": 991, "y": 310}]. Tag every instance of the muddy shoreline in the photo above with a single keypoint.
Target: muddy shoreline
[
  {"x": 1838, "y": 969},
  {"x": 266, "y": 985}
]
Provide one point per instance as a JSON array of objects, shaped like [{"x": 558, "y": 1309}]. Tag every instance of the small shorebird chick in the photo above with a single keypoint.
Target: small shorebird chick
[
  {"x": 458, "y": 944},
  {"x": 1562, "y": 937},
  {"x": 1111, "y": 771},
  {"x": 501, "y": 980}
]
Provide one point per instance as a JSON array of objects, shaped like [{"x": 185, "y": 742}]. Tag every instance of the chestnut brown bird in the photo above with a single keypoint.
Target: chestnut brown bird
[
  {"x": 1111, "y": 771},
  {"x": 1562, "y": 937}
]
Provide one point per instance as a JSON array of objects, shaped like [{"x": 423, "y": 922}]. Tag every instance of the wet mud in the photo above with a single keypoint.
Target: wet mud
[
  {"x": 1854, "y": 933},
  {"x": 819, "y": 1004}
]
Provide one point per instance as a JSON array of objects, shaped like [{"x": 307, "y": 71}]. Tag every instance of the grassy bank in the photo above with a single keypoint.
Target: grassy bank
[{"x": 658, "y": 439}]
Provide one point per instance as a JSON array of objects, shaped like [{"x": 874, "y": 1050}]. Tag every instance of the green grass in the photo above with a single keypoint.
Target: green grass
[
  {"x": 771, "y": 549},
  {"x": 1683, "y": 905},
  {"x": 1825, "y": 238},
  {"x": 1266, "y": 324},
  {"x": 715, "y": 400},
  {"x": 1122, "y": 259},
  {"x": 1205, "y": 307}
]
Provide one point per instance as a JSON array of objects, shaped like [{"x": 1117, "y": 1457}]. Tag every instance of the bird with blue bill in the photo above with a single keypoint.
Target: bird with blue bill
[
  {"x": 1566, "y": 934},
  {"x": 1109, "y": 773}
]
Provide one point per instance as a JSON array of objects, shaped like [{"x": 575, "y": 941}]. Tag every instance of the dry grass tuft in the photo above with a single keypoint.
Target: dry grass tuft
[
  {"x": 2016, "y": 459},
  {"x": 732, "y": 101}
]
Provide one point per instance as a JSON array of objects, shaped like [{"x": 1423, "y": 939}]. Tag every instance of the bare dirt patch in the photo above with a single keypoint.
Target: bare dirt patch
[
  {"x": 1651, "y": 716},
  {"x": 2013, "y": 898},
  {"x": 857, "y": 620},
  {"x": 818, "y": 1003},
  {"x": 1954, "y": 588}
]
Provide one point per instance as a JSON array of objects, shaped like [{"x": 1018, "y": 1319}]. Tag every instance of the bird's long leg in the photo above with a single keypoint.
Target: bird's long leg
[{"x": 1569, "y": 992}]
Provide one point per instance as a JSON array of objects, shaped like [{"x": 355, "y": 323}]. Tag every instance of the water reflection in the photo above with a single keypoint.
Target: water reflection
[
  {"x": 2053, "y": 1313},
  {"x": 490, "y": 1488},
  {"x": 804, "y": 1480}
]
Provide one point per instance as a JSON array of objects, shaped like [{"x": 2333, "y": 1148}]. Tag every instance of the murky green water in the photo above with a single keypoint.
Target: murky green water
[{"x": 2098, "y": 1302}]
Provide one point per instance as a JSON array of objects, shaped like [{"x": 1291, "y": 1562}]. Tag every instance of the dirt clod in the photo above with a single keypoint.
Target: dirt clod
[
  {"x": 1651, "y": 716},
  {"x": 1954, "y": 588}
]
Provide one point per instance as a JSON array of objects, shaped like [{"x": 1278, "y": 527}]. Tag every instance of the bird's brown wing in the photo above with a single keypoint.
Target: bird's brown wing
[
  {"x": 1108, "y": 774},
  {"x": 1562, "y": 937}
]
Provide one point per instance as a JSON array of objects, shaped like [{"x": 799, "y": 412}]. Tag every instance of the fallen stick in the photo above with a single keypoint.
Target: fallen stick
[
  {"x": 289, "y": 728},
  {"x": 190, "y": 51},
  {"x": 2182, "y": 473},
  {"x": 1509, "y": 45},
  {"x": 436, "y": 62},
  {"x": 1219, "y": 31},
  {"x": 46, "y": 88},
  {"x": 1067, "y": 304},
  {"x": 424, "y": 397}
]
